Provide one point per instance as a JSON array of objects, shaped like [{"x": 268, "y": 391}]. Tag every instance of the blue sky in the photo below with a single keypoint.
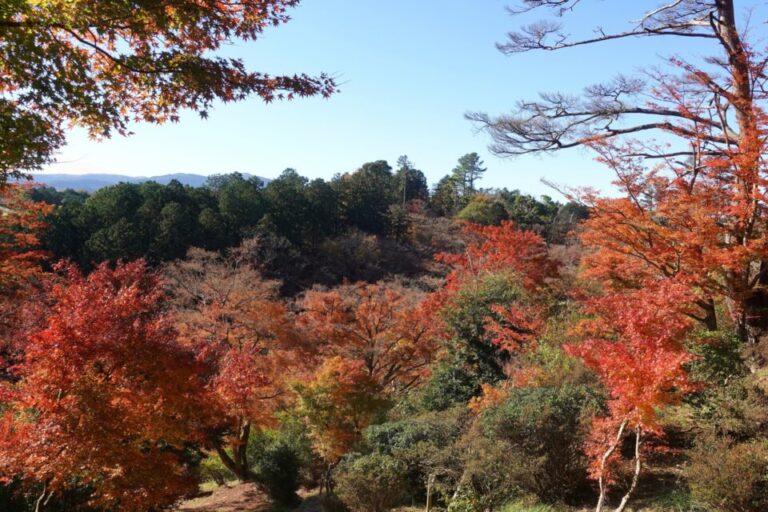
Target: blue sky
[{"x": 409, "y": 70}]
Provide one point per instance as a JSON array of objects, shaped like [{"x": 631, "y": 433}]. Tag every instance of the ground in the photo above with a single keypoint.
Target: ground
[{"x": 235, "y": 498}]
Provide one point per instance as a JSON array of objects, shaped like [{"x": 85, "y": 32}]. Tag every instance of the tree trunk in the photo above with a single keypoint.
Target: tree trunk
[
  {"x": 752, "y": 313},
  {"x": 238, "y": 463},
  {"x": 42, "y": 500},
  {"x": 430, "y": 483},
  {"x": 709, "y": 319},
  {"x": 233, "y": 465},
  {"x": 603, "y": 461},
  {"x": 753, "y": 320},
  {"x": 327, "y": 484},
  {"x": 460, "y": 485},
  {"x": 636, "y": 475}
]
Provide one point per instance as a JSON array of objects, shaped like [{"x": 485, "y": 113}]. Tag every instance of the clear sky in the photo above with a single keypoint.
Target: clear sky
[{"x": 409, "y": 70}]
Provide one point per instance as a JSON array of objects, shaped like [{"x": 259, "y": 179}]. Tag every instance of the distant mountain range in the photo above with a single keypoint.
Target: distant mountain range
[{"x": 93, "y": 182}]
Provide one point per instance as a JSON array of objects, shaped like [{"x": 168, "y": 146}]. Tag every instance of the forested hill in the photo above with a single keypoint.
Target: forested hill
[
  {"x": 362, "y": 225},
  {"x": 95, "y": 181}
]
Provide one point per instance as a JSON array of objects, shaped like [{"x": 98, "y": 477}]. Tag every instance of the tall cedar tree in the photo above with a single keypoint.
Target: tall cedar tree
[
  {"x": 103, "y": 64},
  {"x": 106, "y": 397},
  {"x": 468, "y": 171}
]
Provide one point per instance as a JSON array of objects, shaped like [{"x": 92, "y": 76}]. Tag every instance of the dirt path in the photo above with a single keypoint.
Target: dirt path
[{"x": 237, "y": 498}]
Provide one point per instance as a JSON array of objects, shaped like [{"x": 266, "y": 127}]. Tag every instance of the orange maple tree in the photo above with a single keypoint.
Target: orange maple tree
[
  {"x": 373, "y": 343},
  {"x": 106, "y": 398},
  {"x": 377, "y": 324},
  {"x": 699, "y": 222},
  {"x": 502, "y": 247},
  {"x": 239, "y": 329},
  {"x": 635, "y": 342},
  {"x": 339, "y": 402},
  {"x": 691, "y": 222},
  {"x": 515, "y": 327},
  {"x": 689, "y": 227},
  {"x": 693, "y": 207}
]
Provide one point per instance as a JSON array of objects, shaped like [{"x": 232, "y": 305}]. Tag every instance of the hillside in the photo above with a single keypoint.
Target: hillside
[{"x": 96, "y": 181}]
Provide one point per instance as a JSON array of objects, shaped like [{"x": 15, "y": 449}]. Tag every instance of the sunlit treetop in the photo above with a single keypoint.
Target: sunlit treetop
[{"x": 102, "y": 64}]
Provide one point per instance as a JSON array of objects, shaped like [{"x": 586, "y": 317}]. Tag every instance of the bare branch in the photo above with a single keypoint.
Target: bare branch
[
  {"x": 535, "y": 37},
  {"x": 702, "y": 103},
  {"x": 559, "y": 6}
]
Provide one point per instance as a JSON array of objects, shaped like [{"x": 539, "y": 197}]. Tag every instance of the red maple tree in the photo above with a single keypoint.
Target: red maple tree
[
  {"x": 105, "y": 397},
  {"x": 493, "y": 249},
  {"x": 502, "y": 247},
  {"x": 635, "y": 342},
  {"x": 21, "y": 221},
  {"x": 239, "y": 329}
]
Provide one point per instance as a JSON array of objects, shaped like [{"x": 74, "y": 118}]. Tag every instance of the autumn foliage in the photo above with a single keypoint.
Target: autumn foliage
[
  {"x": 498, "y": 249},
  {"x": 374, "y": 345},
  {"x": 104, "y": 65},
  {"x": 233, "y": 322},
  {"x": 340, "y": 401},
  {"x": 697, "y": 216},
  {"x": 106, "y": 394},
  {"x": 20, "y": 222},
  {"x": 683, "y": 249},
  {"x": 636, "y": 344},
  {"x": 375, "y": 324},
  {"x": 490, "y": 365},
  {"x": 21, "y": 274},
  {"x": 683, "y": 224}
]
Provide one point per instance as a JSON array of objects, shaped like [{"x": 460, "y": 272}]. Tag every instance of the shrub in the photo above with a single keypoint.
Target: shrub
[
  {"x": 484, "y": 210},
  {"x": 527, "y": 505},
  {"x": 538, "y": 433},
  {"x": 400, "y": 437},
  {"x": 719, "y": 358},
  {"x": 18, "y": 496},
  {"x": 457, "y": 378},
  {"x": 325, "y": 503},
  {"x": 280, "y": 459},
  {"x": 677, "y": 500},
  {"x": 491, "y": 476},
  {"x": 278, "y": 470},
  {"x": 730, "y": 477},
  {"x": 737, "y": 410},
  {"x": 11, "y": 499},
  {"x": 464, "y": 502},
  {"x": 424, "y": 444},
  {"x": 370, "y": 483}
]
